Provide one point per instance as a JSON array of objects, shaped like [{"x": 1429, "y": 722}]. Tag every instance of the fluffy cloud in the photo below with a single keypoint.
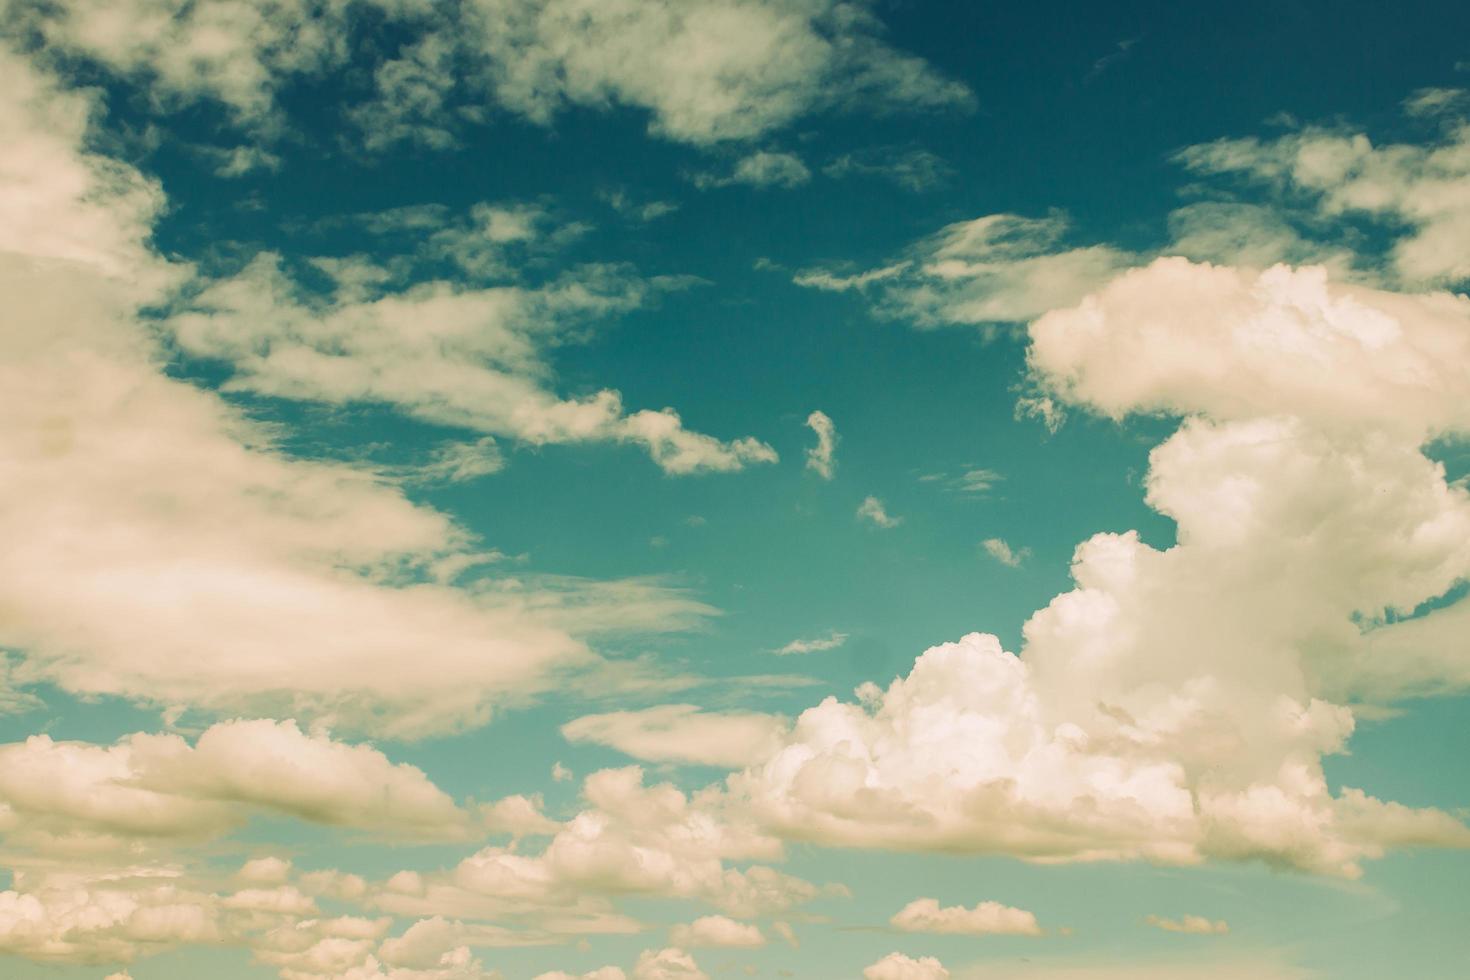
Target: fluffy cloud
[
  {"x": 671, "y": 963},
  {"x": 820, "y": 458},
  {"x": 761, "y": 65},
  {"x": 479, "y": 364},
  {"x": 717, "y": 930},
  {"x": 631, "y": 839},
  {"x": 683, "y": 733},
  {"x": 1176, "y": 705},
  {"x": 215, "y": 569},
  {"x": 897, "y": 966},
  {"x": 1425, "y": 186},
  {"x": 160, "y": 786},
  {"x": 985, "y": 919},
  {"x": 1177, "y": 336}
]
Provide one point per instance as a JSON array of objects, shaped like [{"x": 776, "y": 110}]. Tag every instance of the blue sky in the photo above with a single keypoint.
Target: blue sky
[{"x": 641, "y": 490}]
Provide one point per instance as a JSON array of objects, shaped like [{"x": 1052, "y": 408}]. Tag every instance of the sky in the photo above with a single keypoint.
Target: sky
[{"x": 679, "y": 489}]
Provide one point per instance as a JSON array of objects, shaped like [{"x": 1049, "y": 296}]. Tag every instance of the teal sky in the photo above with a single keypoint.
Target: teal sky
[{"x": 997, "y": 471}]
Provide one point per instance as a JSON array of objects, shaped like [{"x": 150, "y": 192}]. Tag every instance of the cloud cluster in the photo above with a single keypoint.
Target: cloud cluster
[
  {"x": 1339, "y": 173},
  {"x": 57, "y": 795},
  {"x": 702, "y": 72},
  {"x": 473, "y": 358},
  {"x": 1177, "y": 703},
  {"x": 215, "y": 569}
]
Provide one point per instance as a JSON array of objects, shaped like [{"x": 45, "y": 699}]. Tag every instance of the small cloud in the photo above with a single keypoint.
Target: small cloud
[
  {"x": 1116, "y": 56},
  {"x": 985, "y": 919},
  {"x": 872, "y": 509},
  {"x": 459, "y": 462},
  {"x": 836, "y": 282},
  {"x": 1193, "y": 924},
  {"x": 1002, "y": 552},
  {"x": 784, "y": 930},
  {"x": 633, "y": 210},
  {"x": 658, "y": 541},
  {"x": 820, "y": 457},
  {"x": 717, "y": 930},
  {"x": 695, "y": 520},
  {"x": 237, "y": 161},
  {"x": 977, "y": 480},
  {"x": 560, "y": 773},
  {"x": 763, "y": 168},
  {"x": 831, "y": 641},
  {"x": 910, "y": 168},
  {"x": 1428, "y": 102}
]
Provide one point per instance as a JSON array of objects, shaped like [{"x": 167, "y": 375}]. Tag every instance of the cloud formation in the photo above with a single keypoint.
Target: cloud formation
[{"x": 821, "y": 458}]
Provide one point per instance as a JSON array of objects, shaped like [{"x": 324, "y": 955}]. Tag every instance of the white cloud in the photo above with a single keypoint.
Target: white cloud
[
  {"x": 671, "y": 963},
  {"x": 761, "y": 64},
  {"x": 1177, "y": 704},
  {"x": 912, "y": 169},
  {"x": 630, "y": 839},
  {"x": 1280, "y": 341},
  {"x": 1002, "y": 552},
  {"x": 897, "y": 966},
  {"x": 683, "y": 733},
  {"x": 479, "y": 363},
  {"x": 215, "y": 570},
  {"x": 816, "y": 644},
  {"x": 872, "y": 509},
  {"x": 705, "y": 71},
  {"x": 1425, "y": 186},
  {"x": 820, "y": 458},
  {"x": 985, "y": 919},
  {"x": 158, "y": 786},
  {"x": 717, "y": 930},
  {"x": 1001, "y": 268},
  {"x": 762, "y": 168},
  {"x": 1194, "y": 924}
]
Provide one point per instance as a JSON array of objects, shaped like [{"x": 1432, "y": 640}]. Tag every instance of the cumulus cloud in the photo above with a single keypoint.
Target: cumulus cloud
[
  {"x": 985, "y": 919},
  {"x": 1193, "y": 924},
  {"x": 1177, "y": 703},
  {"x": 670, "y": 963},
  {"x": 630, "y": 839},
  {"x": 717, "y": 930},
  {"x": 897, "y": 966},
  {"x": 683, "y": 733},
  {"x": 1279, "y": 341},
  {"x": 160, "y": 786},
  {"x": 872, "y": 509}
]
